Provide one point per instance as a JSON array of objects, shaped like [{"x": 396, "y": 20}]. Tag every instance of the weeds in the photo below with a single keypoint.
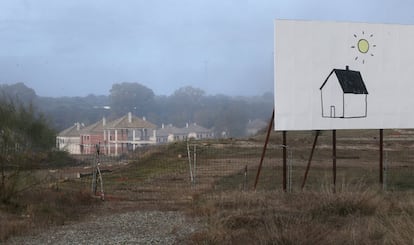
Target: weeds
[
  {"x": 353, "y": 215},
  {"x": 41, "y": 207}
]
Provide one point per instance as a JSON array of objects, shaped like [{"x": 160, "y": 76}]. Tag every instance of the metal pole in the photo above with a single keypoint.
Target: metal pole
[
  {"x": 381, "y": 160},
  {"x": 269, "y": 129},
  {"x": 284, "y": 160},
  {"x": 334, "y": 159},
  {"x": 195, "y": 162},
  {"x": 245, "y": 178},
  {"x": 189, "y": 162},
  {"x": 310, "y": 158},
  {"x": 384, "y": 184},
  {"x": 290, "y": 170}
]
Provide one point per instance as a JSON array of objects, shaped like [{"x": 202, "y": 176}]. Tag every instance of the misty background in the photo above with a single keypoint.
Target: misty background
[
  {"x": 172, "y": 61},
  {"x": 81, "y": 47},
  {"x": 221, "y": 113}
]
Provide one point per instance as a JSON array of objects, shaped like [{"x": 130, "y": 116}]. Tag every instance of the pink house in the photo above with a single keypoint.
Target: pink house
[
  {"x": 92, "y": 136},
  {"x": 127, "y": 133}
]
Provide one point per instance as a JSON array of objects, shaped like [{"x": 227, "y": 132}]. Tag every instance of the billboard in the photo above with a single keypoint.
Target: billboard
[{"x": 337, "y": 75}]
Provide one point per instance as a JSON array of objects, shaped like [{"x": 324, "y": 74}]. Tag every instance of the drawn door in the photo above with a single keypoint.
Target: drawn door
[{"x": 332, "y": 111}]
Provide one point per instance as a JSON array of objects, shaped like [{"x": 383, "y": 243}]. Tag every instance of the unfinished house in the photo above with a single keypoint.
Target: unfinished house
[
  {"x": 127, "y": 133},
  {"x": 170, "y": 133},
  {"x": 92, "y": 136},
  {"x": 197, "y": 132},
  {"x": 69, "y": 139}
]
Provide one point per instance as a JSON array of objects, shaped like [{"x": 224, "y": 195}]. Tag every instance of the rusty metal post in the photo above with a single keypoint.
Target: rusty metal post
[
  {"x": 381, "y": 158},
  {"x": 269, "y": 129},
  {"x": 334, "y": 159},
  {"x": 284, "y": 160},
  {"x": 310, "y": 159}
]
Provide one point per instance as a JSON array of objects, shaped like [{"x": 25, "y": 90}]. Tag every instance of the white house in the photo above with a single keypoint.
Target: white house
[
  {"x": 69, "y": 139},
  {"x": 344, "y": 95},
  {"x": 170, "y": 133}
]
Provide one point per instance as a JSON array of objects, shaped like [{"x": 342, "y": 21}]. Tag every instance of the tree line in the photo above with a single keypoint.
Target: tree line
[{"x": 219, "y": 112}]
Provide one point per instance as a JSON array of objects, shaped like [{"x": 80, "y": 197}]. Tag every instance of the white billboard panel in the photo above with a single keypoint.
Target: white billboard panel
[{"x": 335, "y": 75}]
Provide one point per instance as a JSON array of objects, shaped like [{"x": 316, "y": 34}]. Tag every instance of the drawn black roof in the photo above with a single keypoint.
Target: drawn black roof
[{"x": 351, "y": 81}]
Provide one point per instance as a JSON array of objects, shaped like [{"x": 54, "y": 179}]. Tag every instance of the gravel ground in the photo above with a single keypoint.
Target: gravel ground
[{"x": 138, "y": 227}]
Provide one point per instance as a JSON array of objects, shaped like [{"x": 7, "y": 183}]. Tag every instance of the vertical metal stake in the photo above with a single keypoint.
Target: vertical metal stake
[
  {"x": 284, "y": 160},
  {"x": 384, "y": 184},
  {"x": 245, "y": 179},
  {"x": 381, "y": 160},
  {"x": 290, "y": 170},
  {"x": 334, "y": 159},
  {"x": 189, "y": 162},
  {"x": 195, "y": 163}
]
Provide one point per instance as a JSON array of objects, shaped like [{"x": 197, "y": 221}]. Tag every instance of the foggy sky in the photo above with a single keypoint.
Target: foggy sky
[{"x": 79, "y": 47}]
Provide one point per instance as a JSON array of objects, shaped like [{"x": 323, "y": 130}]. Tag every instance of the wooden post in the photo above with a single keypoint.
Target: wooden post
[
  {"x": 269, "y": 129},
  {"x": 310, "y": 159},
  {"x": 334, "y": 159},
  {"x": 381, "y": 160},
  {"x": 284, "y": 160}
]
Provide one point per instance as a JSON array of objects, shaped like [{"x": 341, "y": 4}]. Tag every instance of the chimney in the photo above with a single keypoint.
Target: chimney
[
  {"x": 103, "y": 121},
  {"x": 144, "y": 118},
  {"x": 347, "y": 68},
  {"x": 77, "y": 126},
  {"x": 129, "y": 117},
  {"x": 162, "y": 125},
  {"x": 186, "y": 125}
]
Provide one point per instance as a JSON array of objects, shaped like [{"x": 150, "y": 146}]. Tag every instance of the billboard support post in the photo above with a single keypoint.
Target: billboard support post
[
  {"x": 334, "y": 159},
  {"x": 284, "y": 160},
  {"x": 310, "y": 158},
  {"x": 381, "y": 152},
  {"x": 269, "y": 129}
]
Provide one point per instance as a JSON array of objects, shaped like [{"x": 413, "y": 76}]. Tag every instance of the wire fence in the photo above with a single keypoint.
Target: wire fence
[
  {"x": 235, "y": 165},
  {"x": 224, "y": 165}
]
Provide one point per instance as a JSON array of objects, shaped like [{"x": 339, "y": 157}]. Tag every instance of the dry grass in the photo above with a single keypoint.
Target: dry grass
[
  {"x": 40, "y": 208},
  {"x": 355, "y": 215},
  {"x": 358, "y": 213}
]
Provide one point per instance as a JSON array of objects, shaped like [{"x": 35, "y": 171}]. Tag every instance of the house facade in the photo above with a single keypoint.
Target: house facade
[
  {"x": 69, "y": 139},
  {"x": 124, "y": 134},
  {"x": 170, "y": 133},
  {"x": 127, "y": 133},
  {"x": 92, "y": 136},
  {"x": 197, "y": 132}
]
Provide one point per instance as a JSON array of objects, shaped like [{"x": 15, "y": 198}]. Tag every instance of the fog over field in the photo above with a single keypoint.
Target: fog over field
[{"x": 74, "y": 48}]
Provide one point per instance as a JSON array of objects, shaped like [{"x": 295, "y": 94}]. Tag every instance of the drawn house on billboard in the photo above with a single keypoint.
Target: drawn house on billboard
[{"x": 344, "y": 95}]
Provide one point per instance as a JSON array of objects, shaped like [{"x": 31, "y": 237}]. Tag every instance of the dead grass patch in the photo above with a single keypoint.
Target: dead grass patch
[
  {"x": 350, "y": 216},
  {"x": 40, "y": 208}
]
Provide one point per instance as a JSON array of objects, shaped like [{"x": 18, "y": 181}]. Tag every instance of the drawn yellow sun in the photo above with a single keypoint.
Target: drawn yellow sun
[{"x": 363, "y": 46}]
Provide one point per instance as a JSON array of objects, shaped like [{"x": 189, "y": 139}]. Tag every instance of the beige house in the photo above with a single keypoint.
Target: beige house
[
  {"x": 69, "y": 139},
  {"x": 170, "y": 133},
  {"x": 127, "y": 133},
  {"x": 198, "y": 132}
]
